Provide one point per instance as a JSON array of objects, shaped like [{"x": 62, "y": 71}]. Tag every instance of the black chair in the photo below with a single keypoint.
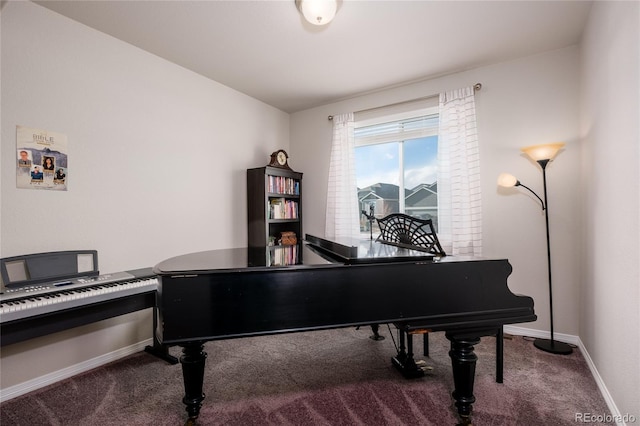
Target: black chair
[{"x": 413, "y": 233}]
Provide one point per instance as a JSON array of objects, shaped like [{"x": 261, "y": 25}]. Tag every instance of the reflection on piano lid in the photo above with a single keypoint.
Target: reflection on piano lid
[{"x": 314, "y": 251}]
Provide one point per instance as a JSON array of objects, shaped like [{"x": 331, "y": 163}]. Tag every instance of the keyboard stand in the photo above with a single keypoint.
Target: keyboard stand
[
  {"x": 53, "y": 322},
  {"x": 157, "y": 349}
]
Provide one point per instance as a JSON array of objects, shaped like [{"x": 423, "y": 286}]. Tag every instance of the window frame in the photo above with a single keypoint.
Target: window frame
[{"x": 430, "y": 112}]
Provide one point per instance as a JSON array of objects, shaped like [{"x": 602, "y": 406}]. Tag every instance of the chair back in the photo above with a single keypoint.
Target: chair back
[{"x": 410, "y": 232}]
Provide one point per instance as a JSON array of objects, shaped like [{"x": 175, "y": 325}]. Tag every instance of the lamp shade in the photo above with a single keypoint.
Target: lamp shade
[
  {"x": 544, "y": 151},
  {"x": 507, "y": 180},
  {"x": 318, "y": 12}
]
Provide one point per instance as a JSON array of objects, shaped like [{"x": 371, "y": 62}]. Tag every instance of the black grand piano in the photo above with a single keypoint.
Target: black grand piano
[{"x": 224, "y": 294}]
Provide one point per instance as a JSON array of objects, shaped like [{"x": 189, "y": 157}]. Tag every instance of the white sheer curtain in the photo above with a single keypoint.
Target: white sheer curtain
[
  {"x": 459, "y": 203},
  {"x": 342, "y": 218}
]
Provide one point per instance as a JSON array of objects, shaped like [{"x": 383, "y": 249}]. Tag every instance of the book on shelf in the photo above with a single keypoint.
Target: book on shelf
[
  {"x": 275, "y": 208},
  {"x": 283, "y": 255},
  {"x": 284, "y": 185},
  {"x": 279, "y": 208}
]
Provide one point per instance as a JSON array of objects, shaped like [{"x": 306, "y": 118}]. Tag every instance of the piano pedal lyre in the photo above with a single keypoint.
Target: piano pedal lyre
[
  {"x": 404, "y": 360},
  {"x": 422, "y": 364}
]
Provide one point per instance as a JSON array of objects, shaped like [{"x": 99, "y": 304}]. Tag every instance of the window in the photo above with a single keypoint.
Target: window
[{"x": 396, "y": 154}]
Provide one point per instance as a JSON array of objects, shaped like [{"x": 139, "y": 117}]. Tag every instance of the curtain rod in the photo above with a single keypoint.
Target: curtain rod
[{"x": 476, "y": 87}]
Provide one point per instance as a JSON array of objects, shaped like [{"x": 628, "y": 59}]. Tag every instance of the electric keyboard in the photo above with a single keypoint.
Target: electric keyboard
[
  {"x": 39, "y": 299},
  {"x": 46, "y": 293}
]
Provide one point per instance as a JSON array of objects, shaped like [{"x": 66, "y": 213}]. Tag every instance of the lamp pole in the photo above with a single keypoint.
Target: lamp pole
[
  {"x": 542, "y": 154},
  {"x": 549, "y": 345}
]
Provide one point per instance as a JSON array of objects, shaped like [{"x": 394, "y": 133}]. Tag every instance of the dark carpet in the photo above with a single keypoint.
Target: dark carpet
[{"x": 332, "y": 377}]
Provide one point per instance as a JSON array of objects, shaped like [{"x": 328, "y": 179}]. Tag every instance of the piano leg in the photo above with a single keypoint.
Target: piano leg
[
  {"x": 193, "y": 360},
  {"x": 376, "y": 335},
  {"x": 463, "y": 363}
]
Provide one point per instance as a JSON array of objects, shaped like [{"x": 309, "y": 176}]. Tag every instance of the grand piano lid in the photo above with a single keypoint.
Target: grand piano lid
[
  {"x": 235, "y": 259},
  {"x": 314, "y": 252},
  {"x": 364, "y": 251}
]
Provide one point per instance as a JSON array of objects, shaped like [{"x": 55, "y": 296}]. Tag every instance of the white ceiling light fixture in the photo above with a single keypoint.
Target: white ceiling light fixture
[{"x": 318, "y": 12}]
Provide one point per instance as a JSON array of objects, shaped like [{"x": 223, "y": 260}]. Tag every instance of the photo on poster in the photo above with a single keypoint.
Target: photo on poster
[{"x": 42, "y": 161}]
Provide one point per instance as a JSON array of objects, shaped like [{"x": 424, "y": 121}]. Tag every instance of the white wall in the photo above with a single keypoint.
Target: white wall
[
  {"x": 524, "y": 102},
  {"x": 144, "y": 114},
  {"x": 157, "y": 163},
  {"x": 610, "y": 120}
]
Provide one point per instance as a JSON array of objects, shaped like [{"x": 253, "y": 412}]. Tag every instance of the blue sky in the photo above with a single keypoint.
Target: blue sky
[{"x": 379, "y": 163}]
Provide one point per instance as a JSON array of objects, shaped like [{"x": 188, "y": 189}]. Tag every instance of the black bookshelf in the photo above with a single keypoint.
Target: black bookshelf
[{"x": 274, "y": 206}]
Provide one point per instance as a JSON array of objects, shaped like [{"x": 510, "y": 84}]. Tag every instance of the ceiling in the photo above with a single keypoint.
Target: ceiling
[{"x": 263, "y": 48}]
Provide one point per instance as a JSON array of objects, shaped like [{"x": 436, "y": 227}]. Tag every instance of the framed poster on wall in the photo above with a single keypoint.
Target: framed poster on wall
[{"x": 41, "y": 159}]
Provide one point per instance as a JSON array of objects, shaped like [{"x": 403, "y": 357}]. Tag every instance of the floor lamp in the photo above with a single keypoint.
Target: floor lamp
[{"x": 542, "y": 154}]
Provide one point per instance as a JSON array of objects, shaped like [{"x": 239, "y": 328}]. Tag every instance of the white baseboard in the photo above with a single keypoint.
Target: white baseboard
[
  {"x": 539, "y": 334},
  {"x": 615, "y": 413},
  {"x": 65, "y": 373},
  {"x": 574, "y": 340}
]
